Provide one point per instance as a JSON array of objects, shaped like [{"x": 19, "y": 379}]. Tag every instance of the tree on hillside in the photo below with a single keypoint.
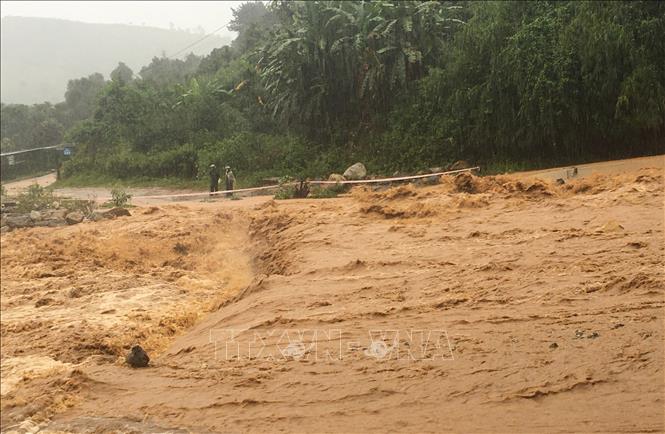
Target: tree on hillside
[
  {"x": 122, "y": 73},
  {"x": 310, "y": 86},
  {"x": 253, "y": 21},
  {"x": 81, "y": 96},
  {"x": 219, "y": 58},
  {"x": 335, "y": 63},
  {"x": 163, "y": 71}
]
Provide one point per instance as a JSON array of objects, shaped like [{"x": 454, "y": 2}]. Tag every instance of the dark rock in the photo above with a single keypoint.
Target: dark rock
[
  {"x": 19, "y": 221},
  {"x": 51, "y": 223},
  {"x": 593, "y": 335},
  {"x": 464, "y": 182},
  {"x": 74, "y": 217},
  {"x": 431, "y": 180},
  {"x": 560, "y": 181},
  {"x": 116, "y": 212},
  {"x": 137, "y": 357},
  {"x": 7, "y": 206},
  {"x": 554, "y": 345},
  {"x": 46, "y": 301},
  {"x": 109, "y": 214}
]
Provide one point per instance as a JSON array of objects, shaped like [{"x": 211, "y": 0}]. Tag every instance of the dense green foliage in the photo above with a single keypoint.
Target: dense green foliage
[
  {"x": 41, "y": 125},
  {"x": 310, "y": 87}
]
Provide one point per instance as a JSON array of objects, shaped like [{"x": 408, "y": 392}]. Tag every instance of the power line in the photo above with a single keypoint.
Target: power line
[{"x": 196, "y": 42}]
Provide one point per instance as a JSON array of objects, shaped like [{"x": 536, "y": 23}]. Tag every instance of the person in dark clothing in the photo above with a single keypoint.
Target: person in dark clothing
[
  {"x": 214, "y": 178},
  {"x": 230, "y": 180}
]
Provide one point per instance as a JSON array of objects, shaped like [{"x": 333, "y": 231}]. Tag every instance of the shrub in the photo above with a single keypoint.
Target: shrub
[
  {"x": 286, "y": 190},
  {"x": 120, "y": 198},
  {"x": 35, "y": 198},
  {"x": 320, "y": 192},
  {"x": 85, "y": 207}
]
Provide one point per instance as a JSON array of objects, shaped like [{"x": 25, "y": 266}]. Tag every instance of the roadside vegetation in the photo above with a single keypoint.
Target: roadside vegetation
[{"x": 308, "y": 88}]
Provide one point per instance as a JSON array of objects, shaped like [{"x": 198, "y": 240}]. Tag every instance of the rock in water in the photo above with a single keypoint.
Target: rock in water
[
  {"x": 137, "y": 357},
  {"x": 109, "y": 214},
  {"x": 116, "y": 212},
  {"x": 357, "y": 171},
  {"x": 464, "y": 183}
]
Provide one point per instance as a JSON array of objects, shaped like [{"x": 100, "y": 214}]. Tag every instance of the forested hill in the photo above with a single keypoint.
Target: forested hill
[
  {"x": 308, "y": 88},
  {"x": 40, "y": 55}
]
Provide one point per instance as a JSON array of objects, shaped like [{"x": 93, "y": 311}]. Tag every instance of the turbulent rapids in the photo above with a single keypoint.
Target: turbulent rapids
[{"x": 481, "y": 303}]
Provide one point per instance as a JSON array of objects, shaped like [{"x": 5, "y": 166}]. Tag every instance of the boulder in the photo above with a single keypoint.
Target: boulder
[
  {"x": 19, "y": 221},
  {"x": 109, "y": 214},
  {"x": 357, "y": 171},
  {"x": 431, "y": 180},
  {"x": 58, "y": 214},
  {"x": 336, "y": 177},
  {"x": 50, "y": 222},
  {"x": 137, "y": 357},
  {"x": 74, "y": 217},
  {"x": 458, "y": 165},
  {"x": 116, "y": 212},
  {"x": 35, "y": 215},
  {"x": 464, "y": 183}
]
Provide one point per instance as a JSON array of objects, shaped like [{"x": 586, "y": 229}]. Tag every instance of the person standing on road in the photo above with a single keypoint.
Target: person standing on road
[
  {"x": 230, "y": 180},
  {"x": 214, "y": 178}
]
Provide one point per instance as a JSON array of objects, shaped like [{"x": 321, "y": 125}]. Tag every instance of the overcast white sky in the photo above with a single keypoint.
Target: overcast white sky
[{"x": 209, "y": 15}]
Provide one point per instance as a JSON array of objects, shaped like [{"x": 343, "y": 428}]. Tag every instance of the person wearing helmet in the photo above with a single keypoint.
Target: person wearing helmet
[
  {"x": 214, "y": 178},
  {"x": 230, "y": 180}
]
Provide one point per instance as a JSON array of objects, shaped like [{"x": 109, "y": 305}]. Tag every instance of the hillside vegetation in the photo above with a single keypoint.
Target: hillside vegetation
[{"x": 309, "y": 87}]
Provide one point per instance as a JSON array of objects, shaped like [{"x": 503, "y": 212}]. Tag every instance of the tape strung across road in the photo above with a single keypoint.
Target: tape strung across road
[
  {"x": 401, "y": 178},
  {"x": 269, "y": 187}
]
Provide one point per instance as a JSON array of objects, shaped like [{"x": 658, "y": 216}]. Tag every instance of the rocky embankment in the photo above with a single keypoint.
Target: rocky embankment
[{"x": 13, "y": 218}]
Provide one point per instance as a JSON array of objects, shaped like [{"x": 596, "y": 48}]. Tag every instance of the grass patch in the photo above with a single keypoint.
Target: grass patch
[
  {"x": 291, "y": 189},
  {"x": 38, "y": 198},
  {"x": 331, "y": 191},
  {"x": 94, "y": 180}
]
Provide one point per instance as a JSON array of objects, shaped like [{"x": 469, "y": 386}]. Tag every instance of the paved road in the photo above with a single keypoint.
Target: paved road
[
  {"x": 102, "y": 194},
  {"x": 99, "y": 193},
  {"x": 603, "y": 168},
  {"x": 16, "y": 186}
]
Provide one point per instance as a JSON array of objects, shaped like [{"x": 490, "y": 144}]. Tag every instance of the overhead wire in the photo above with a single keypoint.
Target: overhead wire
[{"x": 196, "y": 42}]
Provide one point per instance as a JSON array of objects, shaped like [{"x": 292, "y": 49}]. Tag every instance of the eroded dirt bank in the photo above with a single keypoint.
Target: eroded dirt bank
[{"x": 494, "y": 304}]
